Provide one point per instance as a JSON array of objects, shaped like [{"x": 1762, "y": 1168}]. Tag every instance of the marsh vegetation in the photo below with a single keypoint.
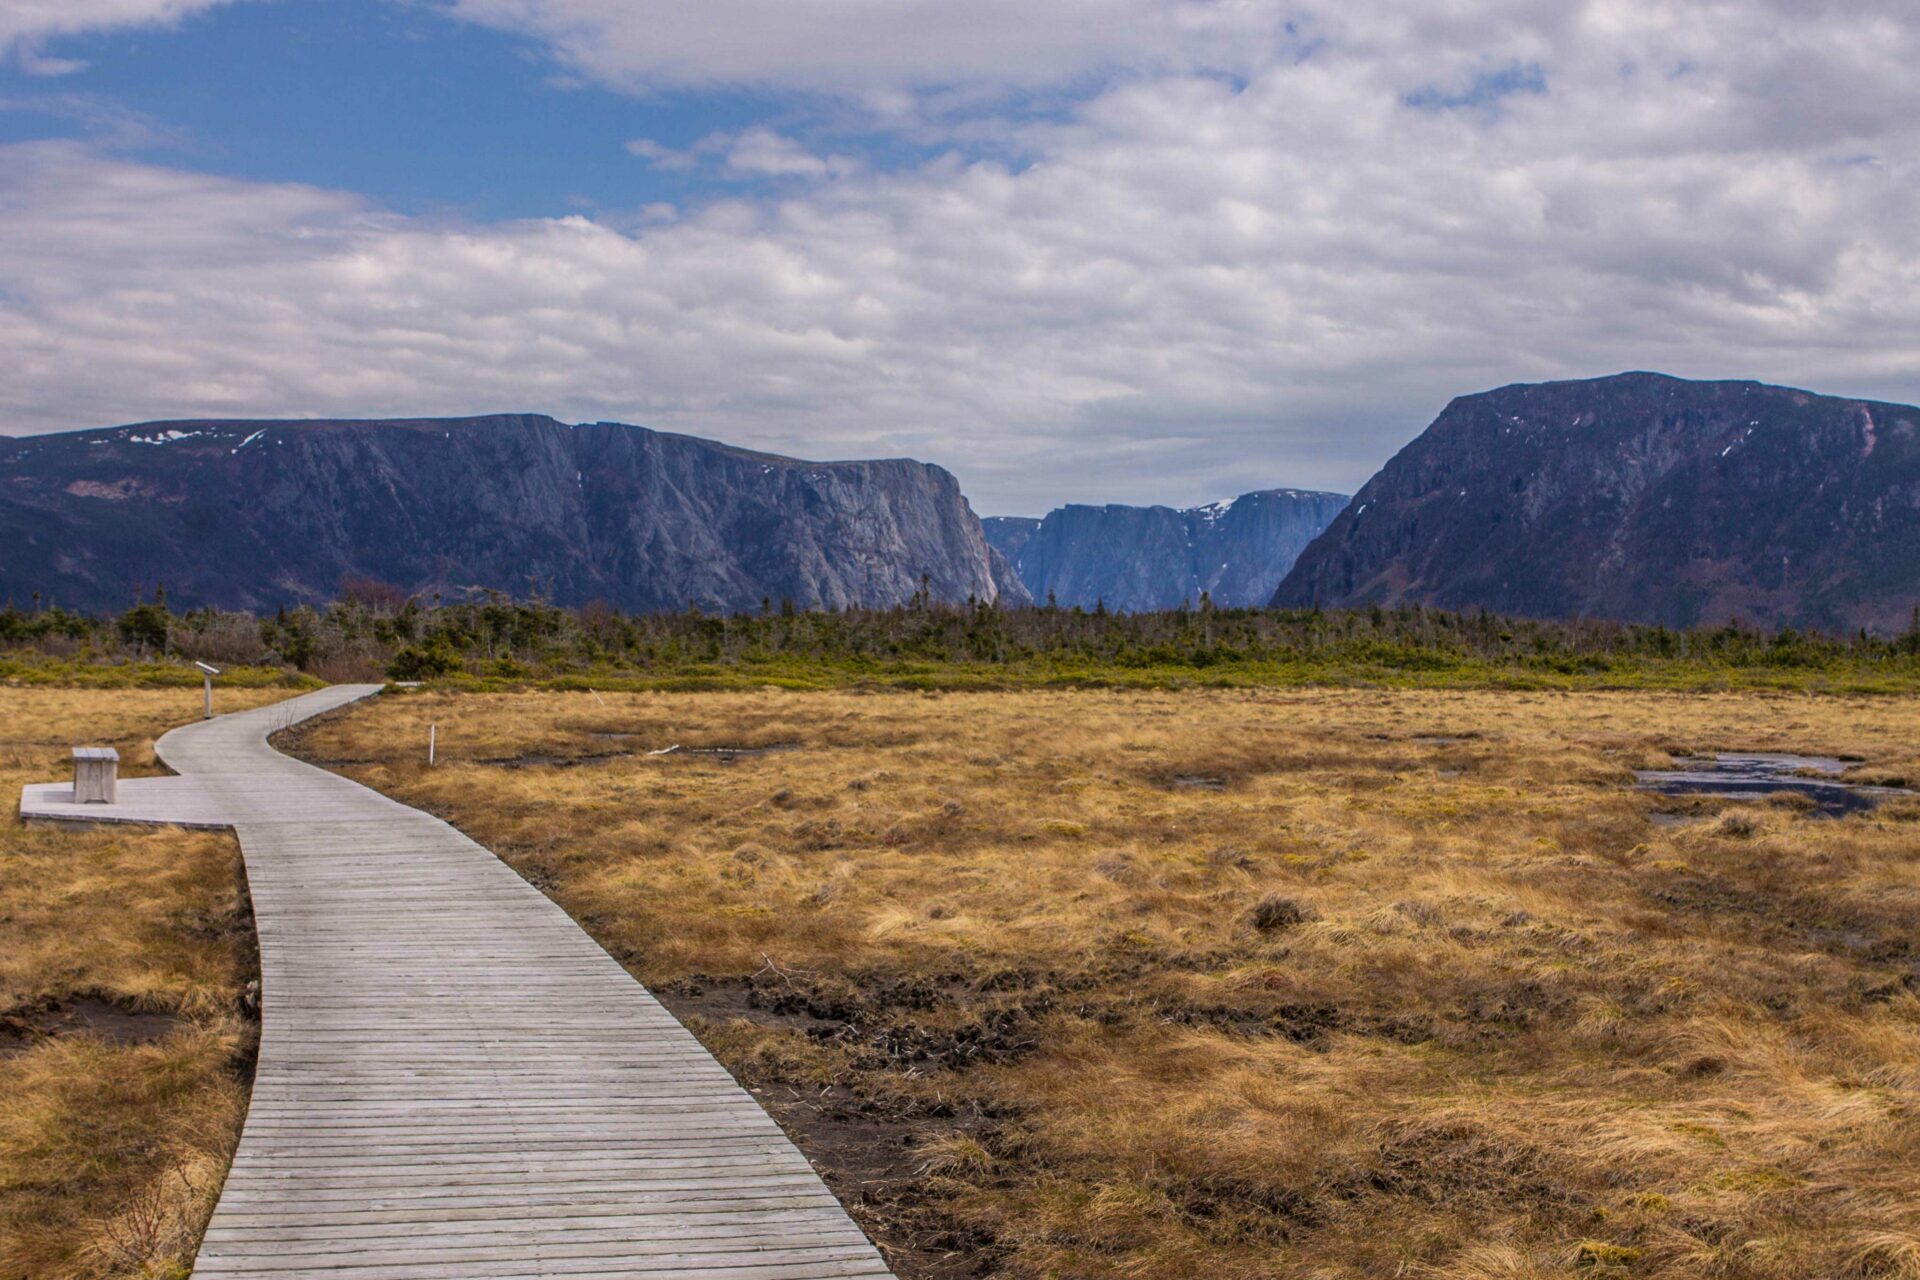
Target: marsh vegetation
[
  {"x": 1251, "y": 982},
  {"x": 125, "y": 1043}
]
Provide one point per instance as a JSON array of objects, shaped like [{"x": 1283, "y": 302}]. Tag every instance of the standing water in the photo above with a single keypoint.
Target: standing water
[{"x": 1764, "y": 774}]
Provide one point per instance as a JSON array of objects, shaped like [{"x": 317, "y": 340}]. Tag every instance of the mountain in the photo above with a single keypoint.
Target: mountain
[
  {"x": 1135, "y": 559},
  {"x": 257, "y": 514},
  {"x": 1644, "y": 498}
]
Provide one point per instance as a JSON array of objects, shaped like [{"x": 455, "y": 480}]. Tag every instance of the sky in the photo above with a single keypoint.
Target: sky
[{"x": 1073, "y": 250}]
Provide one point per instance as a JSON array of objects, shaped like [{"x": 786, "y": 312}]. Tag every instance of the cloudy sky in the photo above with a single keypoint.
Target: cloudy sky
[{"x": 1075, "y": 250}]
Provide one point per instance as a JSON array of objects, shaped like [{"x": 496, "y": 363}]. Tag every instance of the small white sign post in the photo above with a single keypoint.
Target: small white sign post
[{"x": 207, "y": 674}]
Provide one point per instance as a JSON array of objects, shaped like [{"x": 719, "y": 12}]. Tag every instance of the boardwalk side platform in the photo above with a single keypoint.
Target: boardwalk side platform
[{"x": 454, "y": 1080}]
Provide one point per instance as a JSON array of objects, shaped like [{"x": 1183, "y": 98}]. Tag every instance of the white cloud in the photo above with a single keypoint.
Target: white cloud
[
  {"x": 756, "y": 152},
  {"x": 764, "y": 153},
  {"x": 661, "y": 156},
  {"x": 35, "y": 63},
  {"x": 1191, "y": 285},
  {"x": 870, "y": 47},
  {"x": 25, "y": 25}
]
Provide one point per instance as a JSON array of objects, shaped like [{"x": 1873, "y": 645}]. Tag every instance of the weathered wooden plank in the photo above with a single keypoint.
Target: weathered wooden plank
[
  {"x": 756, "y": 1237},
  {"x": 454, "y": 1080},
  {"x": 649, "y": 1226},
  {"x": 522, "y": 1268},
  {"x": 589, "y": 1257},
  {"x": 375, "y": 1215}
]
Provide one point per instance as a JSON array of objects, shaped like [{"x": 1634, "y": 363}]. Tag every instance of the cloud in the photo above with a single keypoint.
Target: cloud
[
  {"x": 26, "y": 25},
  {"x": 37, "y": 64},
  {"x": 768, "y": 154},
  {"x": 101, "y": 119},
  {"x": 863, "y": 47},
  {"x": 1187, "y": 285},
  {"x": 661, "y": 156},
  {"x": 756, "y": 152}
]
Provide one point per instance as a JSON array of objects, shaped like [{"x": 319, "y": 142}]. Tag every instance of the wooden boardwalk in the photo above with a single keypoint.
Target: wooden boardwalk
[{"x": 454, "y": 1080}]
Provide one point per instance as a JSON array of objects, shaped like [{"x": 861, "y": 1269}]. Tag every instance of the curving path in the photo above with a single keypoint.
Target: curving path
[{"x": 454, "y": 1080}]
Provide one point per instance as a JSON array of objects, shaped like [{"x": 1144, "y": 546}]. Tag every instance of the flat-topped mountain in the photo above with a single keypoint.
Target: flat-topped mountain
[
  {"x": 259, "y": 514},
  {"x": 1135, "y": 559},
  {"x": 1640, "y": 497}
]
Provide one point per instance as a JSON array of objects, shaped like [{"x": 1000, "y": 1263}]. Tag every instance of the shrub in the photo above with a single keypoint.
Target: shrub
[
  {"x": 230, "y": 639},
  {"x": 145, "y": 626},
  {"x": 422, "y": 664}
]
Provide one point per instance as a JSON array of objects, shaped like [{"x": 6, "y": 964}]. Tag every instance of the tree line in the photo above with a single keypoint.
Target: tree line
[{"x": 374, "y": 630}]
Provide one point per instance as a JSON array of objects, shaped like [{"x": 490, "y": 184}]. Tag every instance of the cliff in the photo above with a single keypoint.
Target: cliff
[
  {"x": 1643, "y": 498},
  {"x": 259, "y": 514},
  {"x": 1136, "y": 559}
]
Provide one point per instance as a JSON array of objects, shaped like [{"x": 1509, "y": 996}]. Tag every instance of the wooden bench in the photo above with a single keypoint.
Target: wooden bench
[{"x": 96, "y": 773}]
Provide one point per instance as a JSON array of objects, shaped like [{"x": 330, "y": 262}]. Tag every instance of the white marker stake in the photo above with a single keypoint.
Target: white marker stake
[
  {"x": 207, "y": 673},
  {"x": 433, "y": 734}
]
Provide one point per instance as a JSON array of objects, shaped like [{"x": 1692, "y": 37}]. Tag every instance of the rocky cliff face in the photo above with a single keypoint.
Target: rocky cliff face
[
  {"x": 1135, "y": 559},
  {"x": 1640, "y": 497},
  {"x": 1009, "y": 535},
  {"x": 258, "y": 514}
]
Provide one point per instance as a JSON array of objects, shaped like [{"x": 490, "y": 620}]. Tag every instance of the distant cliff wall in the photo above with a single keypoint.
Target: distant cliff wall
[{"x": 259, "y": 514}]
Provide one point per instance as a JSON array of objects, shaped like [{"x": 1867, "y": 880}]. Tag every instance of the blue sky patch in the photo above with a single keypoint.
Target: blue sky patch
[
  {"x": 417, "y": 111},
  {"x": 1485, "y": 92}
]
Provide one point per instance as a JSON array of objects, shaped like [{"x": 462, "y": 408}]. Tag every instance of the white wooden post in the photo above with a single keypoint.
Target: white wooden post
[
  {"x": 207, "y": 673},
  {"x": 433, "y": 732}
]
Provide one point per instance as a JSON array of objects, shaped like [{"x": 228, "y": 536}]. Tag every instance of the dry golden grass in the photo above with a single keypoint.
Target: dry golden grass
[
  {"x": 123, "y": 957},
  {"x": 1253, "y": 984}
]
